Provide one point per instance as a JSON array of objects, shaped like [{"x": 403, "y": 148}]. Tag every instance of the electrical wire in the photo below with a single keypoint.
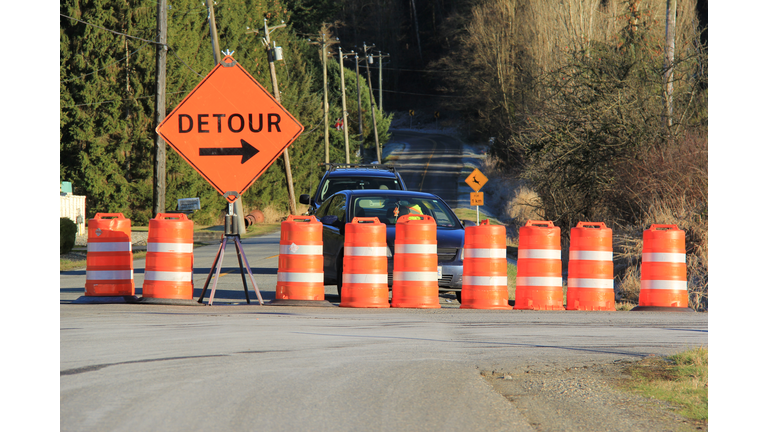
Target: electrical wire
[
  {"x": 112, "y": 31},
  {"x": 99, "y": 70}
]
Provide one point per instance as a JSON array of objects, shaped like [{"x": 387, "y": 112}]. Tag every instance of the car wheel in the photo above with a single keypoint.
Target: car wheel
[{"x": 458, "y": 296}]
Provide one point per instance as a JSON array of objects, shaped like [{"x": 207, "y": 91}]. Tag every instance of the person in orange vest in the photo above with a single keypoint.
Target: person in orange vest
[{"x": 339, "y": 124}]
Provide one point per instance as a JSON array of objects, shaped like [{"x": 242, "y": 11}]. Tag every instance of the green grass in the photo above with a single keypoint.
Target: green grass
[
  {"x": 471, "y": 214},
  {"x": 511, "y": 280},
  {"x": 681, "y": 379}
]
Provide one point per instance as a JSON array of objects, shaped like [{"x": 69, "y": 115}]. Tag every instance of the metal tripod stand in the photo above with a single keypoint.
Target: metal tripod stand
[{"x": 231, "y": 234}]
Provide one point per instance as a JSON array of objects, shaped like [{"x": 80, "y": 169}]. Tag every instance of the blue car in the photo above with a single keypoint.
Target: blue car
[{"x": 388, "y": 205}]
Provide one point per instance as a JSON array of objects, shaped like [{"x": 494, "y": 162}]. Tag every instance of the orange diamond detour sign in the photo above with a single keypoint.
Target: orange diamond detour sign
[{"x": 230, "y": 129}]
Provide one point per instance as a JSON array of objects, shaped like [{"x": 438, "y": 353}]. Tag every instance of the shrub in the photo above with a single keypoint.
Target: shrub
[{"x": 67, "y": 232}]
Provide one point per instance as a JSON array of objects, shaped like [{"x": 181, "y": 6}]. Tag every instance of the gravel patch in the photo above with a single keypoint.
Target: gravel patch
[{"x": 582, "y": 398}]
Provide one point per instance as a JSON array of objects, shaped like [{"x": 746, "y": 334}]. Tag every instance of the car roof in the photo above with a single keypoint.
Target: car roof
[
  {"x": 367, "y": 172},
  {"x": 391, "y": 193}
]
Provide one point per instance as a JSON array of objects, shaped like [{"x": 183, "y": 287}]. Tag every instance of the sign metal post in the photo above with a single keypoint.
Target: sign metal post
[{"x": 476, "y": 181}]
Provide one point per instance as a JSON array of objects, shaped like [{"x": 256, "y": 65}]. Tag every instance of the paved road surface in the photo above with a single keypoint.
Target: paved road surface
[
  {"x": 233, "y": 367},
  {"x": 430, "y": 163}
]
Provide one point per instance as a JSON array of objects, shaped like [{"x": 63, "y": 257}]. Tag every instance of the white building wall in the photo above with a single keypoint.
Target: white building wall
[{"x": 72, "y": 206}]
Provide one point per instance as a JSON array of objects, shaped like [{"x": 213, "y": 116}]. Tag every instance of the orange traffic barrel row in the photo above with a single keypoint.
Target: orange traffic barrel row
[
  {"x": 590, "y": 268},
  {"x": 539, "y": 267},
  {"x": 300, "y": 266},
  {"x": 414, "y": 276},
  {"x": 484, "y": 283},
  {"x": 170, "y": 262},
  {"x": 364, "y": 280},
  {"x": 663, "y": 277},
  {"x": 109, "y": 261}
]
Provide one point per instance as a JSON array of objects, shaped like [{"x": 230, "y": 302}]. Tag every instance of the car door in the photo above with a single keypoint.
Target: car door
[{"x": 332, "y": 214}]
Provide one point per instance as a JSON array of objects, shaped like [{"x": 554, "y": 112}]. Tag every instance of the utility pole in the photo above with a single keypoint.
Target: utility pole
[
  {"x": 669, "y": 60},
  {"x": 214, "y": 33},
  {"x": 271, "y": 58},
  {"x": 158, "y": 194},
  {"x": 373, "y": 107},
  {"x": 325, "y": 101},
  {"x": 344, "y": 101},
  {"x": 359, "y": 103},
  {"x": 381, "y": 64},
  {"x": 323, "y": 57}
]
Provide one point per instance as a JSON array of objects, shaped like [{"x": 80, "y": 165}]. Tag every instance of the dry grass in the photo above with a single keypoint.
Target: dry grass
[
  {"x": 524, "y": 206},
  {"x": 272, "y": 215}
]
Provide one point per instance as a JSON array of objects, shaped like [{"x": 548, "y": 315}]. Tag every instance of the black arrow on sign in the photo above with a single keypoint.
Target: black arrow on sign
[{"x": 246, "y": 150}]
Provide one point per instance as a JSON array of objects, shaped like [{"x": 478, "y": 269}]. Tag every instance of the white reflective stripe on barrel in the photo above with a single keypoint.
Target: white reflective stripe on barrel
[
  {"x": 109, "y": 246},
  {"x": 668, "y": 257},
  {"x": 376, "y": 251},
  {"x": 170, "y": 247},
  {"x": 108, "y": 274},
  {"x": 167, "y": 276},
  {"x": 416, "y": 248},
  {"x": 485, "y": 280},
  {"x": 538, "y": 254},
  {"x": 300, "y": 277},
  {"x": 590, "y": 283},
  {"x": 412, "y": 276},
  {"x": 294, "y": 249},
  {"x": 539, "y": 281},
  {"x": 364, "y": 278},
  {"x": 590, "y": 255},
  {"x": 485, "y": 253},
  {"x": 664, "y": 284}
]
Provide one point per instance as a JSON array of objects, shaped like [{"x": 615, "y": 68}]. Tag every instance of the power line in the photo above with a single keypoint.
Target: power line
[
  {"x": 119, "y": 100},
  {"x": 112, "y": 31},
  {"x": 421, "y": 94},
  {"x": 98, "y": 70}
]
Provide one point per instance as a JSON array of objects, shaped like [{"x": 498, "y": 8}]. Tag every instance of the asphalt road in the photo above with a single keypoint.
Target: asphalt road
[
  {"x": 242, "y": 367},
  {"x": 239, "y": 367},
  {"x": 430, "y": 163}
]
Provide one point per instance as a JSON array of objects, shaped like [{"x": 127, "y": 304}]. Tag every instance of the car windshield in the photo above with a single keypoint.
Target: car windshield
[
  {"x": 389, "y": 208},
  {"x": 337, "y": 184}
]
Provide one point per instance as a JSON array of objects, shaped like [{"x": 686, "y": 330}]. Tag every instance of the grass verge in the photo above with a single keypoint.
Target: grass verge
[
  {"x": 471, "y": 214},
  {"x": 681, "y": 379}
]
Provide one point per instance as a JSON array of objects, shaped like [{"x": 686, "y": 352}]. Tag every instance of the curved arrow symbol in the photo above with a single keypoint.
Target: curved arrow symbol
[{"x": 246, "y": 150}]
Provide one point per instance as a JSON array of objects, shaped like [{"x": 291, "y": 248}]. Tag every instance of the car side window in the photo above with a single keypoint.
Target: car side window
[
  {"x": 323, "y": 210},
  {"x": 337, "y": 207}
]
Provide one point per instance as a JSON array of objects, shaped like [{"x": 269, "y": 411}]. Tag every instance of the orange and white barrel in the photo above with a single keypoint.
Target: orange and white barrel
[
  {"x": 109, "y": 263},
  {"x": 484, "y": 283},
  {"x": 300, "y": 266},
  {"x": 663, "y": 277},
  {"x": 364, "y": 276},
  {"x": 414, "y": 276},
  {"x": 170, "y": 261},
  {"x": 539, "y": 267},
  {"x": 590, "y": 268}
]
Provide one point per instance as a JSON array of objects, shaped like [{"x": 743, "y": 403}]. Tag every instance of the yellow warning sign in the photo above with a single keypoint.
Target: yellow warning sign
[
  {"x": 476, "y": 180},
  {"x": 476, "y": 198}
]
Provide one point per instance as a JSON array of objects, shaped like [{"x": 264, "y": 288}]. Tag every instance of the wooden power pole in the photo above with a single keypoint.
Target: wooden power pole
[
  {"x": 158, "y": 193},
  {"x": 669, "y": 60},
  {"x": 368, "y": 60},
  {"x": 276, "y": 93},
  {"x": 325, "y": 100},
  {"x": 344, "y": 102}
]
